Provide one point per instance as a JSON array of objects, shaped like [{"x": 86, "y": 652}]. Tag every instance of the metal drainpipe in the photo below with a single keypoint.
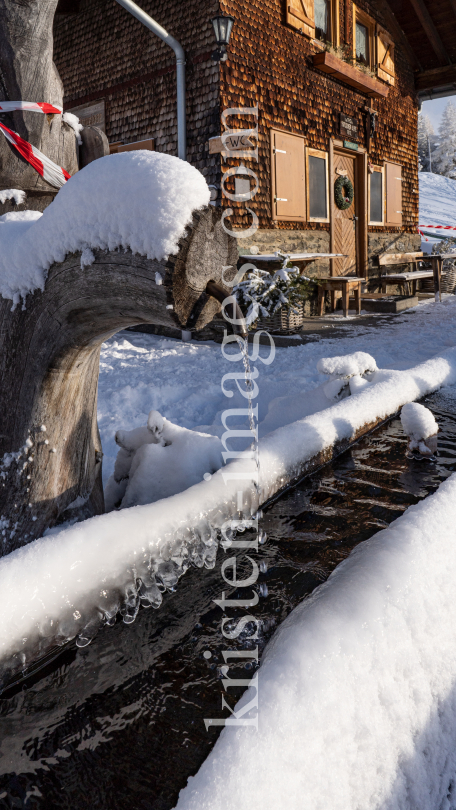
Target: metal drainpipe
[{"x": 180, "y": 70}]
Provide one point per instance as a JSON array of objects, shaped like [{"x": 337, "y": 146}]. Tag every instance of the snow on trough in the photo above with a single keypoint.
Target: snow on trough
[
  {"x": 75, "y": 579},
  {"x": 418, "y": 422},
  {"x": 139, "y": 200},
  {"x": 356, "y": 690}
]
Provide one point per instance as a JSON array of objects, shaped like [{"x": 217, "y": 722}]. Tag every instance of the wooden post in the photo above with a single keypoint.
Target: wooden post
[
  {"x": 49, "y": 362},
  {"x": 28, "y": 73}
]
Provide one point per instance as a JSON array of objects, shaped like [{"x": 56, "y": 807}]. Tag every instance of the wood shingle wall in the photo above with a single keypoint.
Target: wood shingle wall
[
  {"x": 271, "y": 64},
  {"x": 103, "y": 53}
]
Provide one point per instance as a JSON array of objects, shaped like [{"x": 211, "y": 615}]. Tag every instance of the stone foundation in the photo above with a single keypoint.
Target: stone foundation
[
  {"x": 390, "y": 243},
  {"x": 268, "y": 241}
]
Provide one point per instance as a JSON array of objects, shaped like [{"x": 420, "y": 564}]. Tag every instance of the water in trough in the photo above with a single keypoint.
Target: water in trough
[{"x": 120, "y": 723}]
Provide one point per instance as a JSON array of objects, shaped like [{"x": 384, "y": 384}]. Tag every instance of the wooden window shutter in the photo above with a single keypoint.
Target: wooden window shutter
[
  {"x": 301, "y": 15},
  {"x": 288, "y": 176},
  {"x": 393, "y": 194},
  {"x": 385, "y": 56}
]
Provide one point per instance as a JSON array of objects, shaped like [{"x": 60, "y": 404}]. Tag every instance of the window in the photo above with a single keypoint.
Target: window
[
  {"x": 385, "y": 57},
  {"x": 317, "y": 186},
  {"x": 288, "y": 176},
  {"x": 317, "y": 19},
  {"x": 376, "y": 196},
  {"x": 393, "y": 175},
  {"x": 363, "y": 39},
  {"x": 362, "y": 44},
  {"x": 323, "y": 20}
]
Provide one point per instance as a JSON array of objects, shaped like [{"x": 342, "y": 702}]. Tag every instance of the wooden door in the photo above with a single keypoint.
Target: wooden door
[{"x": 345, "y": 224}]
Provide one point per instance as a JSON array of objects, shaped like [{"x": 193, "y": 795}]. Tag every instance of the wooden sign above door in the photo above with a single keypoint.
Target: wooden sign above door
[{"x": 348, "y": 127}]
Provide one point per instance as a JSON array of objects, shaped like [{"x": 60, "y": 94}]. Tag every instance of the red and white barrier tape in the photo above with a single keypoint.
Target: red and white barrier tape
[
  {"x": 29, "y": 106},
  {"x": 439, "y": 227},
  {"x": 49, "y": 171}
]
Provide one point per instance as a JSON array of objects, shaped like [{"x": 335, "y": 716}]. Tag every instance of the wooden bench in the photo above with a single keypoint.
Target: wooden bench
[
  {"x": 347, "y": 285},
  {"x": 408, "y": 280}
]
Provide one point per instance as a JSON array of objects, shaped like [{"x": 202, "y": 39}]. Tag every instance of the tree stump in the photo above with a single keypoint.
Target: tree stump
[{"x": 49, "y": 363}]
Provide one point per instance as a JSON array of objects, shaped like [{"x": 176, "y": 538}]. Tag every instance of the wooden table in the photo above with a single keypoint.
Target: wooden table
[
  {"x": 300, "y": 259},
  {"x": 345, "y": 284}
]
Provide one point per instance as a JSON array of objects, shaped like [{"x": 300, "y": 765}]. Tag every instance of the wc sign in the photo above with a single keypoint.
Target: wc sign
[{"x": 233, "y": 143}]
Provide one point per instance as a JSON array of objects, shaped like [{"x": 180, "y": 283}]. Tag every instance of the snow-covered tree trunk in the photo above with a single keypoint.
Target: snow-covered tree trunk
[{"x": 50, "y": 447}]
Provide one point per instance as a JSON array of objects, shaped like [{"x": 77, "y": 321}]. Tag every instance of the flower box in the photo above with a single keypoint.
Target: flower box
[{"x": 349, "y": 74}]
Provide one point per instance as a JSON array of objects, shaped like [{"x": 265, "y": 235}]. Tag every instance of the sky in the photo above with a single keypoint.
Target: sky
[{"x": 435, "y": 108}]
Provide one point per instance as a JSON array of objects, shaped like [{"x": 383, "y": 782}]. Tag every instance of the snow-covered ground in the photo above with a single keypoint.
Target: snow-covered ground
[
  {"x": 356, "y": 690},
  {"x": 141, "y": 372},
  {"x": 437, "y": 204}
]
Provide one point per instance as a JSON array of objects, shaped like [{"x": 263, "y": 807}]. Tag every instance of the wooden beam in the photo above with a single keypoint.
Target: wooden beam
[
  {"x": 438, "y": 77},
  {"x": 398, "y": 33},
  {"x": 431, "y": 31}
]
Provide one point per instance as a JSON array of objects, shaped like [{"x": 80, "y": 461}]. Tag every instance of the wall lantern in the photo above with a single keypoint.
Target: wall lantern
[{"x": 222, "y": 27}]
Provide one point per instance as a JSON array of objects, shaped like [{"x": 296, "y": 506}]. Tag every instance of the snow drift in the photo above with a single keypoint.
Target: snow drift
[
  {"x": 357, "y": 689},
  {"x": 159, "y": 460},
  {"x": 437, "y": 199},
  {"x": 139, "y": 200},
  {"x": 72, "y": 581}
]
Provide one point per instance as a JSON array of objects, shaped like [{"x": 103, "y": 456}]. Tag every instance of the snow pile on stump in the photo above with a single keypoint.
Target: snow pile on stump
[
  {"x": 139, "y": 200},
  {"x": 357, "y": 689},
  {"x": 419, "y": 424},
  {"x": 159, "y": 460}
]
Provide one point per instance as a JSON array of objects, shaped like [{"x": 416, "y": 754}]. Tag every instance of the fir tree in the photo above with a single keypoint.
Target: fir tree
[
  {"x": 444, "y": 155},
  {"x": 426, "y": 142}
]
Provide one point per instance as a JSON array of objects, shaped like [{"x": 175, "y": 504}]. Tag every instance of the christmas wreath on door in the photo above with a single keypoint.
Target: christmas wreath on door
[{"x": 344, "y": 192}]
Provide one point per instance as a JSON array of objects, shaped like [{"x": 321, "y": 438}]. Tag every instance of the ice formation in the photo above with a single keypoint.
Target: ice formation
[
  {"x": 77, "y": 578},
  {"x": 419, "y": 424},
  {"x": 357, "y": 688},
  {"x": 139, "y": 200},
  {"x": 159, "y": 460}
]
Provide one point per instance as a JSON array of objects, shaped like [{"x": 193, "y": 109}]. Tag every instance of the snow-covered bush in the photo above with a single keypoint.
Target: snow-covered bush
[
  {"x": 419, "y": 424},
  {"x": 262, "y": 294},
  {"x": 159, "y": 460}
]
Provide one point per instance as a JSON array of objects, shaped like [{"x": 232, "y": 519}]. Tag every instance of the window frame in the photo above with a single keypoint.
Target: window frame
[
  {"x": 371, "y": 25},
  {"x": 377, "y": 170},
  {"x": 319, "y": 153},
  {"x": 285, "y": 217}
]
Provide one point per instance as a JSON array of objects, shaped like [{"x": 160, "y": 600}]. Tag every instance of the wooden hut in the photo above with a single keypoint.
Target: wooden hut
[{"x": 331, "y": 86}]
